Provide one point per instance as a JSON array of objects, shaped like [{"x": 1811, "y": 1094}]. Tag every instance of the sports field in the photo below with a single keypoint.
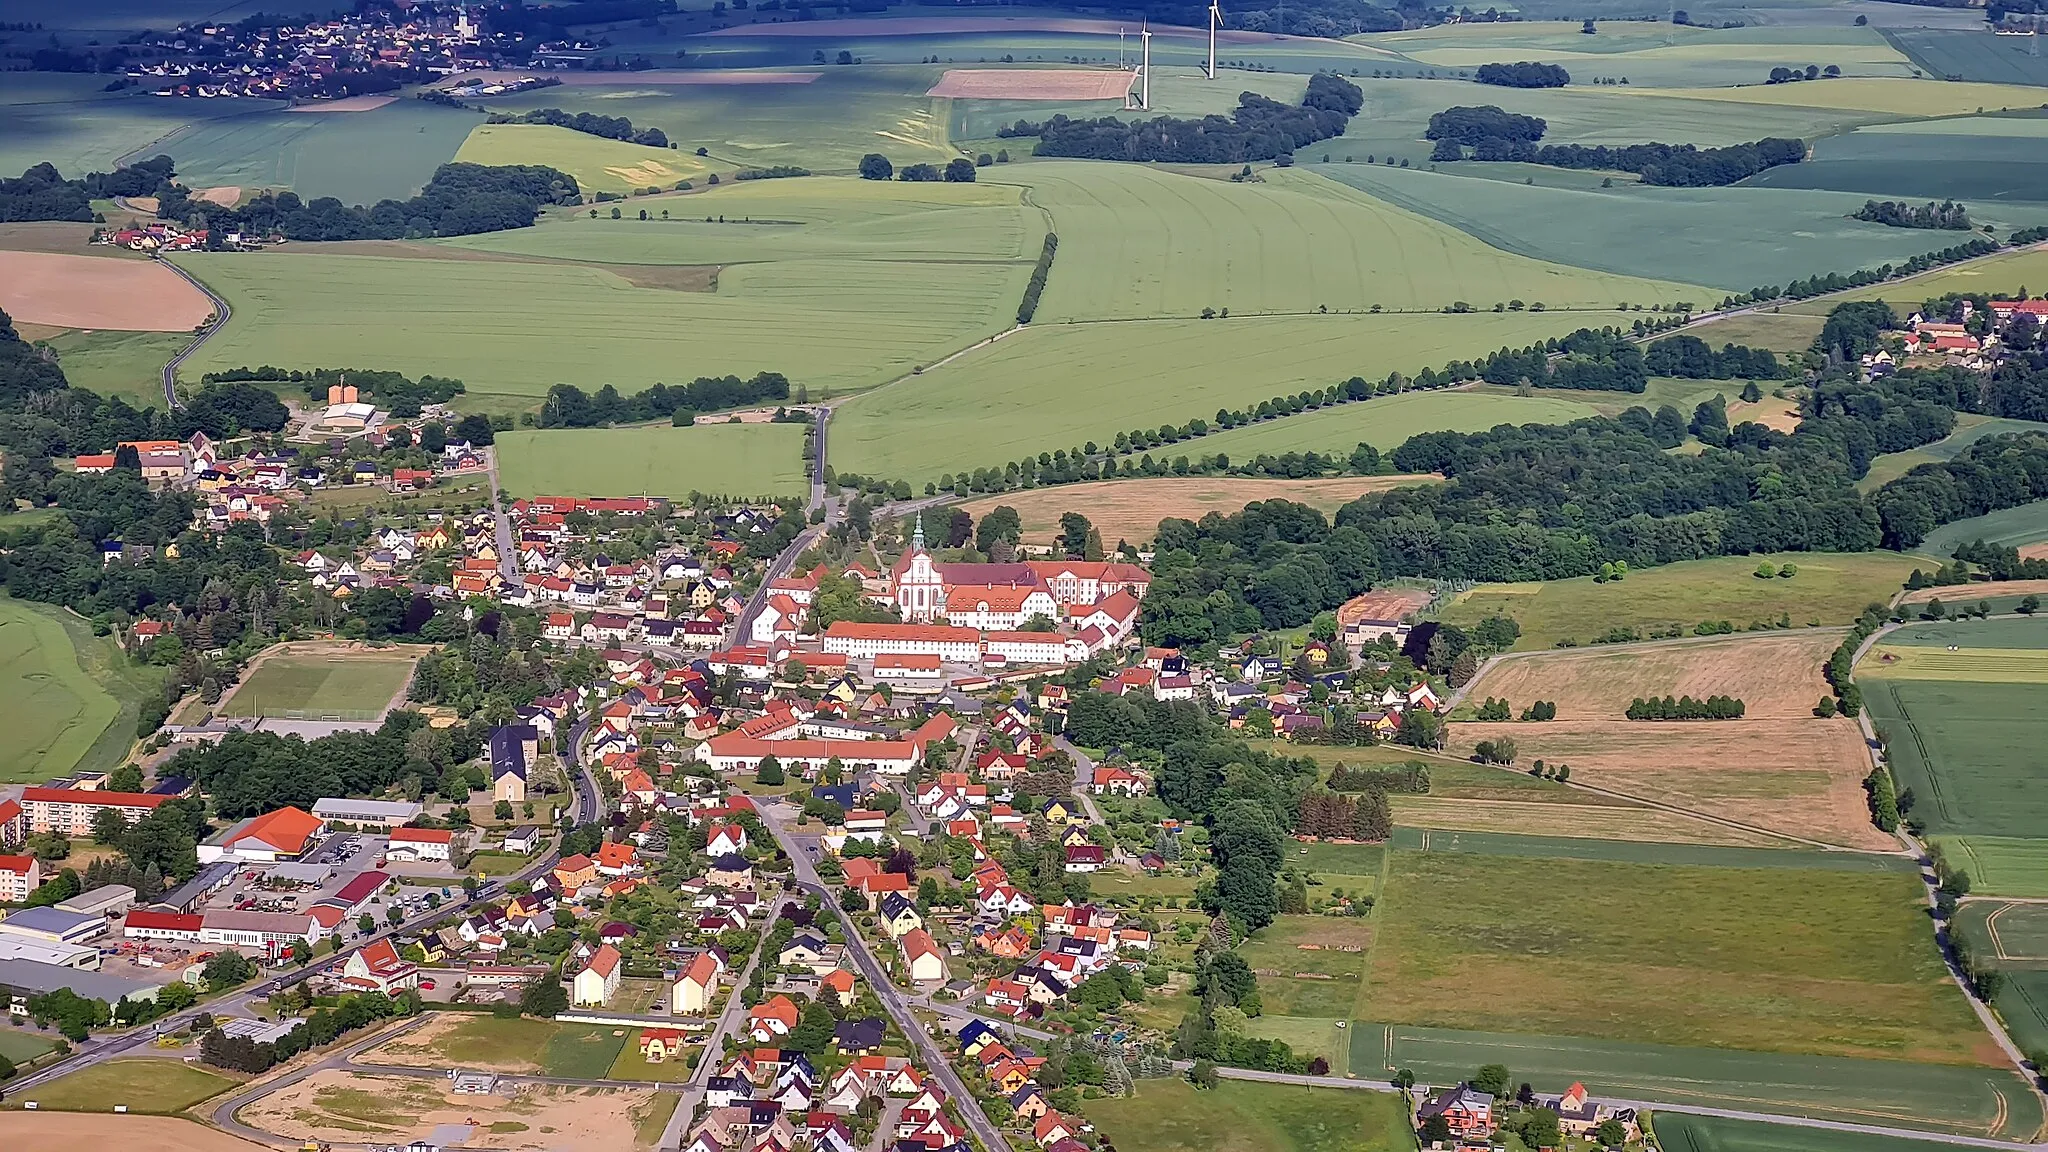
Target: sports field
[
  {"x": 598, "y": 164},
  {"x": 1131, "y": 509},
  {"x": 514, "y": 329},
  {"x": 2020, "y": 524},
  {"x": 1294, "y": 243},
  {"x": 1678, "y": 1132},
  {"x": 69, "y": 698},
  {"x": 1058, "y": 386},
  {"x": 1971, "y": 1101},
  {"x": 742, "y": 460},
  {"x": 350, "y": 683},
  {"x": 1172, "y": 1116},
  {"x": 1827, "y": 589},
  {"x": 1811, "y": 962},
  {"x": 1775, "y": 674},
  {"x": 357, "y": 157}
]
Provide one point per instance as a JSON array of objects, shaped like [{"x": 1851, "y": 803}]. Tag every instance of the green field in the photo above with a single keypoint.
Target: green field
[
  {"x": 1057, "y": 386},
  {"x": 1970, "y": 428},
  {"x": 514, "y": 329},
  {"x": 2020, "y": 524},
  {"x": 2001, "y": 865},
  {"x": 125, "y": 364},
  {"x": 1679, "y": 1132},
  {"x": 585, "y": 1051},
  {"x": 1812, "y": 962},
  {"x": 71, "y": 698},
  {"x": 1781, "y": 332},
  {"x": 1829, "y": 588},
  {"x": 657, "y": 460},
  {"x": 1972, "y": 55},
  {"x": 1320, "y": 981},
  {"x": 1977, "y": 159},
  {"x": 1640, "y": 852},
  {"x": 300, "y": 682},
  {"x": 598, "y": 164},
  {"x": 1294, "y": 243},
  {"x": 356, "y": 157},
  {"x": 142, "y": 1085},
  {"x": 1881, "y": 98},
  {"x": 1976, "y": 1101},
  {"x": 2005, "y": 272},
  {"x": 67, "y": 120},
  {"x": 21, "y": 1046},
  {"x": 1653, "y": 55},
  {"x": 1172, "y": 1116},
  {"x": 1634, "y": 229}
]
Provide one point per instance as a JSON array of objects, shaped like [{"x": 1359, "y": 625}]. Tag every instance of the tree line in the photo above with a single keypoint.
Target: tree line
[
  {"x": 1783, "y": 75},
  {"x": 1036, "y": 285},
  {"x": 1666, "y": 165},
  {"x": 568, "y": 406},
  {"x": 1685, "y": 708},
  {"x": 354, "y": 1012},
  {"x": 1335, "y": 816},
  {"x": 460, "y": 200},
  {"x": 1823, "y": 283},
  {"x": 609, "y": 127},
  {"x": 1522, "y": 74},
  {"x": 1688, "y": 357},
  {"x": 396, "y": 393},
  {"x": 1410, "y": 778},
  {"x": 42, "y": 193},
  {"x": 1259, "y": 129},
  {"x": 1947, "y": 215}
]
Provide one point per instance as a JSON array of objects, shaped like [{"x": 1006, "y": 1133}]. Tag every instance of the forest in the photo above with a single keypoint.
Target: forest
[
  {"x": 1947, "y": 215},
  {"x": 1473, "y": 125},
  {"x": 1522, "y": 74},
  {"x": 1666, "y": 165},
  {"x": 1260, "y": 129},
  {"x": 42, "y": 193},
  {"x": 1689, "y": 357}
]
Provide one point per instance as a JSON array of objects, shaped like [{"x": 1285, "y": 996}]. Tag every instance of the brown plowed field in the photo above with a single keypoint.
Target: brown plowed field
[
  {"x": 68, "y": 291},
  {"x": 1132, "y": 509},
  {"x": 1033, "y": 84},
  {"x": 1775, "y": 674}
]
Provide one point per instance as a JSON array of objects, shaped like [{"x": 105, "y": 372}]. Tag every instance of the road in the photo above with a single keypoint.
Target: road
[
  {"x": 818, "y": 461},
  {"x": 508, "y": 546},
  {"x": 569, "y": 752},
  {"x": 221, "y": 312},
  {"x": 892, "y": 997},
  {"x": 707, "y": 1067}
]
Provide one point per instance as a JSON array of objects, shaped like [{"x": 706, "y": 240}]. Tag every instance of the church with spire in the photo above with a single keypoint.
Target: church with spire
[{"x": 1002, "y": 596}]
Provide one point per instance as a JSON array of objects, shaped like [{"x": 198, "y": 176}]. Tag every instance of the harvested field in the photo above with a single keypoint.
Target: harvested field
[
  {"x": 57, "y": 236},
  {"x": 1034, "y": 84},
  {"x": 1771, "y": 412},
  {"x": 1971, "y": 593},
  {"x": 1799, "y": 778},
  {"x": 337, "y": 1106},
  {"x": 64, "y": 1132},
  {"x": 84, "y": 292},
  {"x": 1383, "y": 604},
  {"x": 1969, "y": 665},
  {"x": 347, "y": 104},
  {"x": 227, "y": 196},
  {"x": 1132, "y": 509},
  {"x": 1600, "y": 822},
  {"x": 1775, "y": 674}
]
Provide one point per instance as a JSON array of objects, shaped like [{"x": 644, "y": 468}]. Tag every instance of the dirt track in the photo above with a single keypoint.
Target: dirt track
[{"x": 86, "y": 292}]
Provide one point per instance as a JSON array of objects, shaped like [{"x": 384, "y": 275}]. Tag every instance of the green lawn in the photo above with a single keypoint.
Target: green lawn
[
  {"x": 22, "y": 1046},
  {"x": 1829, "y": 588},
  {"x": 70, "y": 698},
  {"x": 310, "y": 683},
  {"x": 143, "y": 1085},
  {"x": 1811, "y": 962},
  {"x": 1981, "y": 1101},
  {"x": 1236, "y": 1116},
  {"x": 584, "y": 1051},
  {"x": 742, "y": 460}
]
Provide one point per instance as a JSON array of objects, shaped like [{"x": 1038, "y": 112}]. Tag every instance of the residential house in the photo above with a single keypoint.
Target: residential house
[{"x": 598, "y": 981}]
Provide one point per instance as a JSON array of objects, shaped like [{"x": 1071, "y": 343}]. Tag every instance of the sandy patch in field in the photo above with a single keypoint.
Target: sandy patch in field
[
  {"x": 346, "y": 104},
  {"x": 1771, "y": 412},
  {"x": 1034, "y": 84},
  {"x": 227, "y": 195},
  {"x": 662, "y": 77},
  {"x": 1797, "y": 777},
  {"x": 347, "y": 1107},
  {"x": 68, "y": 1131},
  {"x": 1775, "y": 674},
  {"x": 1956, "y": 594},
  {"x": 1599, "y": 822},
  {"x": 1132, "y": 509},
  {"x": 86, "y": 292}
]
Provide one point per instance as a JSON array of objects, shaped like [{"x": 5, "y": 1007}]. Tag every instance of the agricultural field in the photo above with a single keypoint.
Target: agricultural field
[
  {"x": 2016, "y": 935},
  {"x": 1132, "y": 509},
  {"x": 1312, "y": 965},
  {"x": 1176, "y": 91},
  {"x": 70, "y": 697},
  {"x": 1886, "y": 97},
  {"x": 1237, "y": 1116},
  {"x": 1994, "y": 163},
  {"x": 1653, "y": 55},
  {"x": 598, "y": 164},
  {"x": 1647, "y": 852},
  {"x": 656, "y": 460},
  {"x": 67, "y": 120},
  {"x": 125, "y": 364},
  {"x": 2004, "y": 272},
  {"x": 143, "y": 1085},
  {"x": 1800, "y": 779},
  {"x": 1637, "y": 230},
  {"x": 1975, "y": 1101},
  {"x": 2014, "y": 527},
  {"x": 1679, "y": 1132},
  {"x": 1775, "y": 674},
  {"x": 1058, "y": 386},
  {"x": 1972, "y": 55},
  {"x": 1806, "y": 962},
  {"x": 60, "y": 1131},
  {"x": 1294, "y": 243},
  {"x": 348, "y": 683},
  {"x": 1782, "y": 332},
  {"x": 1618, "y": 821},
  {"x": 1827, "y": 589},
  {"x": 61, "y": 290},
  {"x": 1970, "y": 428},
  {"x": 860, "y": 323},
  {"x": 386, "y": 153}
]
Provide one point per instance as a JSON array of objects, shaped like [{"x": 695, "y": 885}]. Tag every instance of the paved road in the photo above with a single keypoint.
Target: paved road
[
  {"x": 892, "y": 997},
  {"x": 817, "y": 500},
  {"x": 223, "y": 1114},
  {"x": 707, "y": 1067},
  {"x": 508, "y": 545},
  {"x": 221, "y": 312}
]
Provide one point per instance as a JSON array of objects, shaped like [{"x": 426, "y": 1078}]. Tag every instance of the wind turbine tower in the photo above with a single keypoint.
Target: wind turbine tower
[
  {"x": 1215, "y": 22},
  {"x": 1145, "y": 69}
]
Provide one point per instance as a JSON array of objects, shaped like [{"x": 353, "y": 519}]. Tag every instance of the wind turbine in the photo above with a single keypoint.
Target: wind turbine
[
  {"x": 1145, "y": 76},
  {"x": 1215, "y": 22}
]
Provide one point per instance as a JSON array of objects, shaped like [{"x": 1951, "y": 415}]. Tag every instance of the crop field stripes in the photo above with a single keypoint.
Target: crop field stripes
[
  {"x": 1644, "y": 852},
  {"x": 1975, "y": 665}
]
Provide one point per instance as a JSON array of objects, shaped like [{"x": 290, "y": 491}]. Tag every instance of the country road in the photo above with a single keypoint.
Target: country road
[{"x": 221, "y": 312}]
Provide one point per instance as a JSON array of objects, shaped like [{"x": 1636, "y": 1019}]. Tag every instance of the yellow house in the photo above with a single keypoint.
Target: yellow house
[
  {"x": 437, "y": 536},
  {"x": 1059, "y": 811}
]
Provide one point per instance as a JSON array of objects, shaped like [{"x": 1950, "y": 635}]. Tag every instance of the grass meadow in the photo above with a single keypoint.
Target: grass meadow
[
  {"x": 1679, "y": 1132},
  {"x": 655, "y": 460},
  {"x": 1828, "y": 589},
  {"x": 142, "y": 1085},
  {"x": 125, "y": 364},
  {"x": 1237, "y": 1116},
  {"x": 356, "y": 157},
  {"x": 598, "y": 164},
  {"x": 1057, "y": 386},
  {"x": 1805, "y": 962},
  {"x": 1970, "y": 428},
  {"x": 1973, "y": 1101},
  {"x": 310, "y": 682},
  {"x": 70, "y": 698},
  {"x": 2021, "y": 524}
]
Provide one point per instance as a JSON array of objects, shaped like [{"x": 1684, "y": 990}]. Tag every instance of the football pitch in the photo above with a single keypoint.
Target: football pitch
[{"x": 349, "y": 686}]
